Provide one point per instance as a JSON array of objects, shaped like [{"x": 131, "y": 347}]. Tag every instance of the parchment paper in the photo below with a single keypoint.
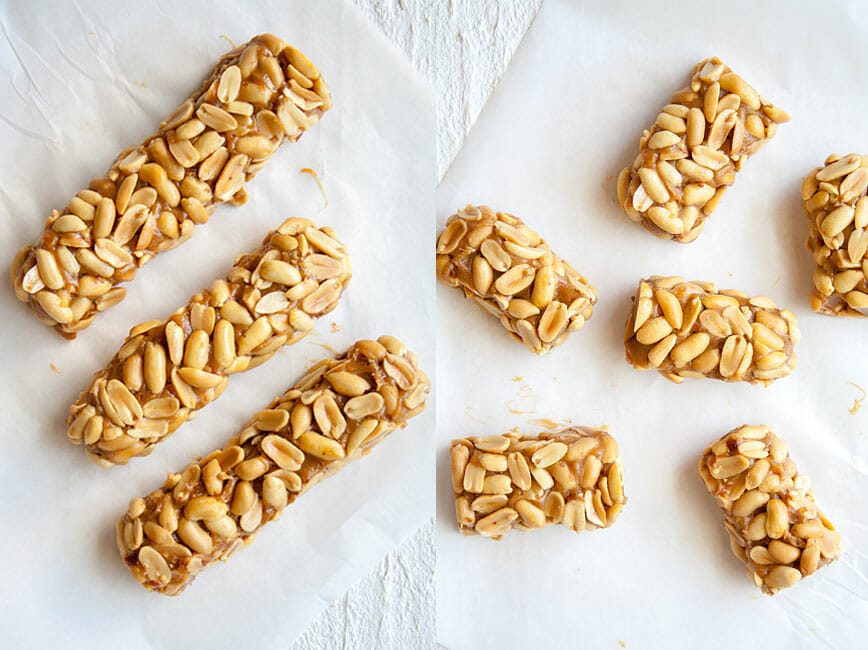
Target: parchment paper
[
  {"x": 566, "y": 118},
  {"x": 82, "y": 82}
]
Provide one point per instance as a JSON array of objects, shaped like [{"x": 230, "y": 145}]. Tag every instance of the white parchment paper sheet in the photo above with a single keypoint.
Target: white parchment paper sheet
[
  {"x": 548, "y": 147},
  {"x": 83, "y": 82}
]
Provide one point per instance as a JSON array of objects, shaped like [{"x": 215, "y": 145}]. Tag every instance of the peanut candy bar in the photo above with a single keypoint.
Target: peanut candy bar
[
  {"x": 769, "y": 511},
  {"x": 166, "y": 370},
  {"x": 690, "y": 329},
  {"x": 259, "y": 96},
  {"x": 571, "y": 477},
  {"x": 836, "y": 204},
  {"x": 511, "y": 272},
  {"x": 336, "y": 413},
  {"x": 691, "y": 153}
]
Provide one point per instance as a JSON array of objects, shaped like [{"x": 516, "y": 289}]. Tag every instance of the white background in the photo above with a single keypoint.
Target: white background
[
  {"x": 565, "y": 119},
  {"x": 86, "y": 81}
]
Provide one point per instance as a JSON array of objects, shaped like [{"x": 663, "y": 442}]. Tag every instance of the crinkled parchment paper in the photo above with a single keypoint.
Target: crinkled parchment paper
[
  {"x": 566, "y": 118},
  {"x": 84, "y": 81}
]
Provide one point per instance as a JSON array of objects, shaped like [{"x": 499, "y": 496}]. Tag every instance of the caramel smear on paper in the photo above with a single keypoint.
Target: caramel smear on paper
[
  {"x": 517, "y": 411},
  {"x": 524, "y": 391},
  {"x": 326, "y": 347},
  {"x": 468, "y": 412},
  {"x": 308, "y": 170},
  {"x": 335, "y": 327},
  {"x": 549, "y": 424},
  {"x": 229, "y": 40},
  {"x": 55, "y": 368},
  {"x": 857, "y": 404}
]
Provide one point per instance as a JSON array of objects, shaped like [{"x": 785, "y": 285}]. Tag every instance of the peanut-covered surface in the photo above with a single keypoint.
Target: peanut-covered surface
[
  {"x": 571, "y": 477},
  {"x": 769, "y": 510},
  {"x": 836, "y": 204},
  {"x": 336, "y": 413},
  {"x": 690, "y": 329},
  {"x": 166, "y": 370},
  {"x": 511, "y": 272},
  {"x": 692, "y": 152},
  {"x": 259, "y": 96}
]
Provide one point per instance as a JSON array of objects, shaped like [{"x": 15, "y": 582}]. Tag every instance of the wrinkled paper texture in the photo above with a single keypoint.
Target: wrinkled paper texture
[
  {"x": 85, "y": 81},
  {"x": 567, "y": 117}
]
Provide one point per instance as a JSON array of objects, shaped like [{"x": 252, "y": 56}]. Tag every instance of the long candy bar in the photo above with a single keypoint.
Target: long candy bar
[
  {"x": 512, "y": 273},
  {"x": 167, "y": 369},
  {"x": 335, "y": 414},
  {"x": 690, "y": 329},
  {"x": 769, "y": 511},
  {"x": 691, "y": 154},
  {"x": 259, "y": 96},
  {"x": 571, "y": 477},
  {"x": 836, "y": 204}
]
